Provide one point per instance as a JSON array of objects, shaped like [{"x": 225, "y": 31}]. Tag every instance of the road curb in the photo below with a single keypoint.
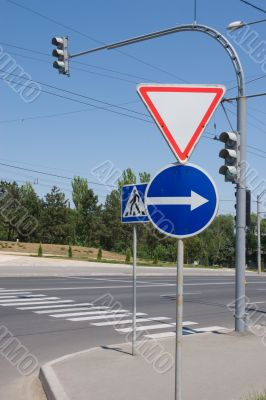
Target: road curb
[{"x": 52, "y": 386}]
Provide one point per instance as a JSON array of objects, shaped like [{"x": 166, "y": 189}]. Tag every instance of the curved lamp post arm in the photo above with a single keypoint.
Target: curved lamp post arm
[
  {"x": 182, "y": 28},
  {"x": 240, "y": 265}
]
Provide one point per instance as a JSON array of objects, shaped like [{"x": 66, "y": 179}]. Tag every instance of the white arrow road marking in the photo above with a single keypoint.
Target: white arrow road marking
[{"x": 194, "y": 201}]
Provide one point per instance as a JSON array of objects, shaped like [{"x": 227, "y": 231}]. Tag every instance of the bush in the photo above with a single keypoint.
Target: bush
[
  {"x": 40, "y": 250},
  {"x": 70, "y": 252},
  {"x": 128, "y": 256},
  {"x": 259, "y": 396},
  {"x": 155, "y": 258},
  {"x": 100, "y": 254}
]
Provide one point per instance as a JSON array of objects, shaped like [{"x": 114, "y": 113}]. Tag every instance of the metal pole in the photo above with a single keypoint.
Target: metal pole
[
  {"x": 179, "y": 317},
  {"x": 134, "y": 289},
  {"x": 240, "y": 306},
  {"x": 258, "y": 236},
  {"x": 241, "y": 127}
]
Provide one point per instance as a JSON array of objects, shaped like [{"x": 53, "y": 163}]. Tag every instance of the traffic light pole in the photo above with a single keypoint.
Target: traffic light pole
[
  {"x": 258, "y": 236},
  {"x": 240, "y": 265}
]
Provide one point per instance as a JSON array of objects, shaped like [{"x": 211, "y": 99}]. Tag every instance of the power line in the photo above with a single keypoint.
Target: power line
[
  {"x": 94, "y": 105},
  {"x": 253, "y": 5},
  {"x": 82, "y": 102},
  {"x": 72, "y": 61},
  {"x": 50, "y": 174},
  {"x": 80, "y": 95},
  {"x": 92, "y": 38}
]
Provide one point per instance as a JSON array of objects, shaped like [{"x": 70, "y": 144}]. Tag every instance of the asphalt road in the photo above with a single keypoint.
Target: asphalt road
[{"x": 57, "y": 324}]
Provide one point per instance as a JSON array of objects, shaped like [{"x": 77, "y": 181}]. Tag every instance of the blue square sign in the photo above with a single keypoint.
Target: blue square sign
[{"x": 132, "y": 204}]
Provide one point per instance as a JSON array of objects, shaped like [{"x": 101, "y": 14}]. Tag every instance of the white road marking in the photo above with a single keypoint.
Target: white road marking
[
  {"x": 129, "y": 321},
  {"x": 160, "y": 335},
  {"x": 145, "y": 328},
  {"x": 78, "y": 314},
  {"x": 209, "y": 329},
  {"x": 24, "y": 295},
  {"x": 69, "y": 309},
  {"x": 110, "y": 316},
  {"x": 192, "y": 331},
  {"x": 37, "y": 303},
  {"x": 174, "y": 295},
  {"x": 27, "y": 300},
  {"x": 56, "y": 306},
  {"x": 256, "y": 302},
  {"x": 185, "y": 323},
  {"x": 14, "y": 293}
]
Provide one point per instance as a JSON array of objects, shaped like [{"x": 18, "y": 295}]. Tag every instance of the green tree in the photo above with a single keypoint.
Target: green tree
[
  {"x": 100, "y": 254},
  {"x": 88, "y": 222},
  {"x": 55, "y": 217},
  {"x": 128, "y": 256},
  {"x": 144, "y": 177},
  {"x": 40, "y": 253},
  {"x": 69, "y": 252}
]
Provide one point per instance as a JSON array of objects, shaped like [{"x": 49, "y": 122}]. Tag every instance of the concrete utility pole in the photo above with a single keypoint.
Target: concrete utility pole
[
  {"x": 258, "y": 236},
  {"x": 258, "y": 231},
  {"x": 240, "y": 303}
]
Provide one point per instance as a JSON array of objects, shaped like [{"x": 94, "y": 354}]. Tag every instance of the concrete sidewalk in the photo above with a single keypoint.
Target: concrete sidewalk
[
  {"x": 216, "y": 366},
  {"x": 20, "y": 265}
]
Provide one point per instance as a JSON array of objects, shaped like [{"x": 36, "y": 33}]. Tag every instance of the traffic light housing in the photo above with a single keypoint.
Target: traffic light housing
[
  {"x": 230, "y": 154},
  {"x": 248, "y": 207},
  {"x": 61, "y": 53}
]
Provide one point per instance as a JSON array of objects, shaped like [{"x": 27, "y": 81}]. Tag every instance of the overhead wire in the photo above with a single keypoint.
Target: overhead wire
[{"x": 28, "y": 9}]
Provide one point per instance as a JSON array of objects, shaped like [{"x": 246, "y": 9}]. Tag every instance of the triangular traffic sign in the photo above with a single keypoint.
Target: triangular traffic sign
[
  {"x": 135, "y": 206},
  {"x": 181, "y": 112}
]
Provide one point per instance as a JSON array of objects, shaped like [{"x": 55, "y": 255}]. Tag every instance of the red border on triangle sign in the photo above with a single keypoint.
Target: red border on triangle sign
[{"x": 145, "y": 89}]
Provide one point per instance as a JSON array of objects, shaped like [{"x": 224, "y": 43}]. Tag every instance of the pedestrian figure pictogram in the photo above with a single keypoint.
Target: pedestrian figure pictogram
[{"x": 135, "y": 206}]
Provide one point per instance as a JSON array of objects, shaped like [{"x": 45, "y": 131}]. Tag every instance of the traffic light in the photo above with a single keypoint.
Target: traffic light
[
  {"x": 248, "y": 207},
  {"x": 230, "y": 154},
  {"x": 61, "y": 53}
]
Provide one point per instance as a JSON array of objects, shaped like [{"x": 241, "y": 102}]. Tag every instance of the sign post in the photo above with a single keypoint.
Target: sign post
[
  {"x": 134, "y": 289},
  {"x": 181, "y": 201},
  {"x": 132, "y": 212},
  {"x": 179, "y": 318}
]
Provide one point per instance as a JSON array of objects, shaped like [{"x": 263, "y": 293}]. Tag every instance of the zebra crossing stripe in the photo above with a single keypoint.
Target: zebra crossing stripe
[
  {"x": 160, "y": 335},
  {"x": 35, "y": 303},
  {"x": 209, "y": 329},
  {"x": 55, "y": 306},
  {"x": 68, "y": 309},
  {"x": 145, "y": 327},
  {"x": 15, "y": 293},
  {"x": 78, "y": 314},
  {"x": 26, "y": 296},
  {"x": 129, "y": 321},
  {"x": 106, "y": 316},
  {"x": 156, "y": 326},
  {"x": 27, "y": 300}
]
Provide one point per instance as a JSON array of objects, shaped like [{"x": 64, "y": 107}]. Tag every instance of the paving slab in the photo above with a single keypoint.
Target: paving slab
[{"x": 220, "y": 366}]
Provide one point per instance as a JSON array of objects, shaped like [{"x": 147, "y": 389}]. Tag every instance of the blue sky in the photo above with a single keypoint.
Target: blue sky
[{"x": 75, "y": 143}]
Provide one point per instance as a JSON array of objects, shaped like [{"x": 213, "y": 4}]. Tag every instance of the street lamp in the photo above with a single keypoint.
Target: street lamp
[
  {"x": 233, "y": 26},
  {"x": 240, "y": 304},
  {"x": 259, "y": 196}
]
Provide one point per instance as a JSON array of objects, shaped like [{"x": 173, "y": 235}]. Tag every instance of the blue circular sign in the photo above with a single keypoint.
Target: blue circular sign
[{"x": 181, "y": 200}]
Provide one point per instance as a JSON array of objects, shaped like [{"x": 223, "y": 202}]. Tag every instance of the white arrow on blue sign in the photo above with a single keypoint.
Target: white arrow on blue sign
[{"x": 181, "y": 200}]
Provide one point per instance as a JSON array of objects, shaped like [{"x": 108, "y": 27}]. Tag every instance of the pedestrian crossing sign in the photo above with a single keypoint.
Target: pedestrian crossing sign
[{"x": 132, "y": 204}]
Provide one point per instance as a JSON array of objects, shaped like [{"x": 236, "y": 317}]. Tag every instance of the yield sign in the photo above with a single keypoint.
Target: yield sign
[{"x": 181, "y": 112}]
